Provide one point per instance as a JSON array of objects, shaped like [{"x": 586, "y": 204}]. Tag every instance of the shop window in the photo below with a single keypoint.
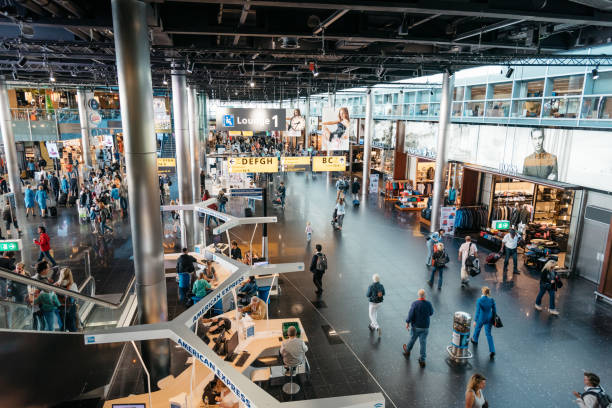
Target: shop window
[
  {"x": 502, "y": 91},
  {"x": 422, "y": 109},
  {"x": 498, "y": 109},
  {"x": 474, "y": 109},
  {"x": 532, "y": 89},
  {"x": 561, "y": 107},
  {"x": 571, "y": 85},
  {"x": 597, "y": 107},
  {"x": 527, "y": 109},
  {"x": 458, "y": 93},
  {"x": 478, "y": 93},
  {"x": 457, "y": 109}
]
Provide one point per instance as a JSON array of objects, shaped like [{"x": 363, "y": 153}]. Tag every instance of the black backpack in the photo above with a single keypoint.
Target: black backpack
[
  {"x": 604, "y": 400},
  {"x": 469, "y": 260},
  {"x": 321, "y": 265}
]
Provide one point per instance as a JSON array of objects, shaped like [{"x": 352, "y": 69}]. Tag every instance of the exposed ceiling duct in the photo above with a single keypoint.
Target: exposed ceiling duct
[{"x": 605, "y": 5}]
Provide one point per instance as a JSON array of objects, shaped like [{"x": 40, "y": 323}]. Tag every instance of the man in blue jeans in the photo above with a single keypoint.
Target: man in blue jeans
[
  {"x": 509, "y": 244},
  {"x": 418, "y": 317}
]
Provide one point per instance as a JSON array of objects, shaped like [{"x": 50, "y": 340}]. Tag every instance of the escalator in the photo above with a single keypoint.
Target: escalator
[{"x": 53, "y": 368}]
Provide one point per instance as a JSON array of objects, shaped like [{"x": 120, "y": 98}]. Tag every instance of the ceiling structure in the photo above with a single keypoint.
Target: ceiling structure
[{"x": 268, "y": 50}]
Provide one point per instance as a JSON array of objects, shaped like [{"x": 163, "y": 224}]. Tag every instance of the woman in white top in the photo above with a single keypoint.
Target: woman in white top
[
  {"x": 340, "y": 211},
  {"x": 474, "y": 398}
]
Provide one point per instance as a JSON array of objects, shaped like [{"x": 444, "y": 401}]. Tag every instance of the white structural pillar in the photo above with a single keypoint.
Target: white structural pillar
[
  {"x": 194, "y": 152},
  {"x": 8, "y": 139},
  {"x": 367, "y": 144},
  {"x": 136, "y": 97},
  {"x": 307, "y": 138},
  {"x": 438, "y": 187},
  {"x": 85, "y": 131},
  {"x": 183, "y": 155}
]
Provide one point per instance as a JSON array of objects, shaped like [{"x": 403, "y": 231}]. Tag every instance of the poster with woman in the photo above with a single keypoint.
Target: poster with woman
[{"x": 336, "y": 128}]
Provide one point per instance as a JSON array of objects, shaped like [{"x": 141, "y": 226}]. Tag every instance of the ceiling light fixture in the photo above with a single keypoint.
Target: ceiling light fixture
[
  {"x": 595, "y": 73},
  {"x": 51, "y": 77},
  {"x": 509, "y": 72},
  {"x": 165, "y": 81}
]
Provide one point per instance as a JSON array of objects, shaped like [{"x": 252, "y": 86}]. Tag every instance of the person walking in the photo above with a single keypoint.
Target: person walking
[
  {"x": 308, "y": 231},
  {"x": 44, "y": 243},
  {"x": 432, "y": 240},
  {"x": 55, "y": 185},
  {"x": 222, "y": 200},
  {"x": 340, "y": 211},
  {"x": 467, "y": 253},
  {"x": 355, "y": 187},
  {"x": 418, "y": 323},
  {"x": 29, "y": 197},
  {"x": 375, "y": 295},
  {"x": 41, "y": 200},
  {"x": 474, "y": 398},
  {"x": 318, "y": 266},
  {"x": 485, "y": 315},
  {"x": 439, "y": 259},
  {"x": 105, "y": 215},
  {"x": 548, "y": 283},
  {"x": 593, "y": 396},
  {"x": 509, "y": 244},
  {"x": 9, "y": 215}
]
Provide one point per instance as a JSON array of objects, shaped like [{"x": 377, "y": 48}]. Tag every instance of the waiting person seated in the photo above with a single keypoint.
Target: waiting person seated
[
  {"x": 201, "y": 287},
  {"x": 212, "y": 392},
  {"x": 293, "y": 350},
  {"x": 236, "y": 252},
  {"x": 247, "y": 291},
  {"x": 228, "y": 398},
  {"x": 209, "y": 273},
  {"x": 257, "y": 309}
]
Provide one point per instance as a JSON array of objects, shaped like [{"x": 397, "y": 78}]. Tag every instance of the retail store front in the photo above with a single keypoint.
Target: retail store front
[{"x": 544, "y": 212}]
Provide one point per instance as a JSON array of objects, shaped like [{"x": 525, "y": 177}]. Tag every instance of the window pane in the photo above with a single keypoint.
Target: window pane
[
  {"x": 589, "y": 108},
  {"x": 532, "y": 89},
  {"x": 422, "y": 109},
  {"x": 474, "y": 109},
  {"x": 502, "y": 91},
  {"x": 458, "y": 93},
  {"x": 478, "y": 92},
  {"x": 571, "y": 85},
  {"x": 499, "y": 109},
  {"x": 526, "y": 109},
  {"x": 561, "y": 107},
  {"x": 457, "y": 109}
]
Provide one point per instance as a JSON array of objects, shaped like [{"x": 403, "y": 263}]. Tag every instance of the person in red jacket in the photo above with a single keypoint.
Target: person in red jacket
[{"x": 44, "y": 243}]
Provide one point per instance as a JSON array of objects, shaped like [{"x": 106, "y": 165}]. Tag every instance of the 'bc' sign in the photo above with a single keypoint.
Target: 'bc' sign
[{"x": 328, "y": 163}]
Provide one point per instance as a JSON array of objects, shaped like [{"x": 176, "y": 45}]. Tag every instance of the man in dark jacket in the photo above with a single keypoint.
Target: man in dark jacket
[
  {"x": 376, "y": 292},
  {"x": 55, "y": 185},
  {"x": 236, "y": 252},
  {"x": 318, "y": 265},
  {"x": 418, "y": 317}
]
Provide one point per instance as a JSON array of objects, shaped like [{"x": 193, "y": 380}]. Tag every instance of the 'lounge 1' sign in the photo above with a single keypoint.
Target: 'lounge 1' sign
[{"x": 257, "y": 120}]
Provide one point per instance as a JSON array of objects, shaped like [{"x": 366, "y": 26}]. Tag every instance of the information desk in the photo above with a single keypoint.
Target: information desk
[{"x": 265, "y": 342}]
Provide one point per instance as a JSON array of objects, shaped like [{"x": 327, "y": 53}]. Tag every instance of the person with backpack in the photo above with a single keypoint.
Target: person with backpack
[
  {"x": 340, "y": 188},
  {"x": 439, "y": 259},
  {"x": 467, "y": 254},
  {"x": 432, "y": 240},
  {"x": 318, "y": 266},
  {"x": 105, "y": 215},
  {"x": 593, "y": 396},
  {"x": 375, "y": 294},
  {"x": 549, "y": 282}
]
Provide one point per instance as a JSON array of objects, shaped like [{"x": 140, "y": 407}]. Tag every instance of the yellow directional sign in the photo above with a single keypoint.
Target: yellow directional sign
[
  {"x": 328, "y": 163},
  {"x": 166, "y": 162},
  {"x": 252, "y": 164},
  {"x": 300, "y": 163}
]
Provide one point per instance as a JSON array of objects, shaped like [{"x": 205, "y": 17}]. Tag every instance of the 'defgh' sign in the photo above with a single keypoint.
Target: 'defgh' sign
[{"x": 252, "y": 164}]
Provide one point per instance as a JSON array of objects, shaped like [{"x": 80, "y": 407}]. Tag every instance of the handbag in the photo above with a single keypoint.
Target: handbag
[
  {"x": 486, "y": 404},
  {"x": 497, "y": 322}
]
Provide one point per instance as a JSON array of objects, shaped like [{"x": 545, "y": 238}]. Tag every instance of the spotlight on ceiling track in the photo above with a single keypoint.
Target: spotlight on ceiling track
[
  {"x": 252, "y": 84},
  {"x": 51, "y": 77},
  {"x": 22, "y": 61},
  {"x": 595, "y": 73},
  {"x": 509, "y": 72},
  {"x": 165, "y": 81}
]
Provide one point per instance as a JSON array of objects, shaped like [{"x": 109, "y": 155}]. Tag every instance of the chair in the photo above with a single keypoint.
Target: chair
[{"x": 292, "y": 388}]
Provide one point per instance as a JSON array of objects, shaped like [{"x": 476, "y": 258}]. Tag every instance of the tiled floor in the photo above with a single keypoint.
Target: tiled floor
[{"x": 540, "y": 358}]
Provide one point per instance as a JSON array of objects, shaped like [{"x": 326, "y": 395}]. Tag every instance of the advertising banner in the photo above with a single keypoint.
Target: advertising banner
[
  {"x": 374, "y": 183},
  {"x": 253, "y": 165},
  {"x": 336, "y": 128},
  {"x": 254, "y": 119},
  {"x": 295, "y": 163},
  {"x": 328, "y": 163},
  {"x": 447, "y": 219},
  {"x": 384, "y": 134},
  {"x": 161, "y": 116},
  {"x": 52, "y": 150}
]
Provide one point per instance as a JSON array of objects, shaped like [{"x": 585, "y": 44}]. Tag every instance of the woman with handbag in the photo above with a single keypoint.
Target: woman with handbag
[
  {"x": 474, "y": 398},
  {"x": 438, "y": 259},
  {"x": 549, "y": 282},
  {"x": 485, "y": 316}
]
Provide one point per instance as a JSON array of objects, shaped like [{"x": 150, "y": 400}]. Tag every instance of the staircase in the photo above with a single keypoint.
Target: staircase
[{"x": 168, "y": 147}]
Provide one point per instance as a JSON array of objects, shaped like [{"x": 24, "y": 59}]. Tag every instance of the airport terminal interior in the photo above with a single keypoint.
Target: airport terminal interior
[{"x": 316, "y": 204}]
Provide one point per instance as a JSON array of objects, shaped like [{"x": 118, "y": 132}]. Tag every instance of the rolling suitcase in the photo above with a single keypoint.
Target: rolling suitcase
[
  {"x": 355, "y": 202},
  {"x": 63, "y": 199},
  {"x": 53, "y": 211},
  {"x": 72, "y": 200},
  {"x": 492, "y": 258}
]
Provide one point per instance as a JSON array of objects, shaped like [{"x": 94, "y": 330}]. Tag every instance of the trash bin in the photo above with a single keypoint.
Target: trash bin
[{"x": 458, "y": 349}]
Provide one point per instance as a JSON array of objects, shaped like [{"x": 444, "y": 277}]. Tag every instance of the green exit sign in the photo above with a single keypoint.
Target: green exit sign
[
  {"x": 10, "y": 245},
  {"x": 501, "y": 225}
]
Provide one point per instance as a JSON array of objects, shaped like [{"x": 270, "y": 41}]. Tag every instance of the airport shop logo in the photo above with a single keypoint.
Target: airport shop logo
[
  {"x": 228, "y": 120},
  {"x": 90, "y": 339}
]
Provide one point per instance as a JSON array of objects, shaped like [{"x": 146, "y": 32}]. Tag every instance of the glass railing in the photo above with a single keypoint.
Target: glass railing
[
  {"x": 474, "y": 109},
  {"x": 527, "y": 108},
  {"x": 498, "y": 109},
  {"x": 561, "y": 108},
  {"x": 36, "y": 305}
]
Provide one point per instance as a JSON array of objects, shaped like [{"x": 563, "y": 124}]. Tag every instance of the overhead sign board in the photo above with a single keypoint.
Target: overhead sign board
[
  {"x": 300, "y": 163},
  {"x": 10, "y": 245},
  {"x": 253, "y": 119},
  {"x": 52, "y": 150},
  {"x": 252, "y": 164},
  {"x": 500, "y": 224},
  {"x": 166, "y": 165},
  {"x": 246, "y": 192},
  {"x": 328, "y": 163}
]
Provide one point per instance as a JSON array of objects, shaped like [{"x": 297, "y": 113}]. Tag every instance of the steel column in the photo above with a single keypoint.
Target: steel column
[
  {"x": 194, "y": 143},
  {"x": 8, "y": 139},
  {"x": 438, "y": 187},
  {"x": 136, "y": 97},
  {"x": 367, "y": 144},
  {"x": 307, "y": 140},
  {"x": 85, "y": 132},
  {"x": 183, "y": 157}
]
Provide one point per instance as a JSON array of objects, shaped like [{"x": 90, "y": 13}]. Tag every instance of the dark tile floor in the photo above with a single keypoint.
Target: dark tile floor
[{"x": 539, "y": 359}]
